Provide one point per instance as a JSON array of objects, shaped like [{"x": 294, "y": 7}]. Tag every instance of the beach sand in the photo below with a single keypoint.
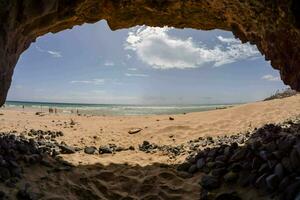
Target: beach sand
[{"x": 135, "y": 174}]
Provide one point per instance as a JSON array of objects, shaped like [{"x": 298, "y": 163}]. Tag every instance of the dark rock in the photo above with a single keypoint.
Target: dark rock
[
  {"x": 285, "y": 182},
  {"x": 219, "y": 164},
  {"x": 272, "y": 163},
  {"x": 228, "y": 196},
  {"x": 192, "y": 169},
  {"x": 238, "y": 155},
  {"x": 255, "y": 145},
  {"x": 286, "y": 164},
  {"x": 263, "y": 168},
  {"x": 234, "y": 145},
  {"x": 285, "y": 145},
  {"x": 271, "y": 146},
  {"x": 261, "y": 181},
  {"x": 65, "y": 149},
  {"x": 230, "y": 177},
  {"x": 264, "y": 155},
  {"x": 25, "y": 194},
  {"x": 256, "y": 163},
  {"x": 277, "y": 154},
  {"x": 105, "y": 150},
  {"x": 131, "y": 148},
  {"x": 2, "y": 195},
  {"x": 4, "y": 173},
  {"x": 227, "y": 151},
  {"x": 212, "y": 153},
  {"x": 200, "y": 163},
  {"x": 209, "y": 182},
  {"x": 246, "y": 178},
  {"x": 236, "y": 167},
  {"x": 90, "y": 150},
  {"x": 210, "y": 165},
  {"x": 218, "y": 172},
  {"x": 134, "y": 130},
  {"x": 171, "y": 118},
  {"x": 222, "y": 158},
  {"x": 204, "y": 195},
  {"x": 272, "y": 181},
  {"x": 279, "y": 171},
  {"x": 183, "y": 167},
  {"x": 294, "y": 159},
  {"x": 291, "y": 191}
]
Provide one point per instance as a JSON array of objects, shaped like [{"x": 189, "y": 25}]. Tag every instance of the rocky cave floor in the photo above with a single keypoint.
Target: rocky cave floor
[{"x": 265, "y": 162}]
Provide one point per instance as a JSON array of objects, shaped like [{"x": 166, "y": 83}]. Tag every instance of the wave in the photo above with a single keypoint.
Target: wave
[{"x": 117, "y": 109}]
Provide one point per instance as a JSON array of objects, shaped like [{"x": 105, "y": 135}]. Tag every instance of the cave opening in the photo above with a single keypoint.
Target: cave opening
[
  {"x": 147, "y": 66},
  {"x": 241, "y": 151}
]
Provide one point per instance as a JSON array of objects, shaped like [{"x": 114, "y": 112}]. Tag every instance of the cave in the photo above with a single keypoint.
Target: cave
[{"x": 272, "y": 26}]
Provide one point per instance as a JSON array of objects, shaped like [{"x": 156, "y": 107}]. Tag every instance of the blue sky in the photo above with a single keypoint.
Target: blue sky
[{"x": 142, "y": 65}]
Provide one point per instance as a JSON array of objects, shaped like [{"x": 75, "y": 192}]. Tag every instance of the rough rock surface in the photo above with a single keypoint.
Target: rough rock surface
[
  {"x": 273, "y": 26},
  {"x": 268, "y": 161}
]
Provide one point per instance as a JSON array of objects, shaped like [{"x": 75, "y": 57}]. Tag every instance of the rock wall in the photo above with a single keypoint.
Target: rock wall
[{"x": 272, "y": 25}]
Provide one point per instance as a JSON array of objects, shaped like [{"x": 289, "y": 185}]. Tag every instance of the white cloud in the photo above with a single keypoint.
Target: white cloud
[
  {"x": 136, "y": 75},
  {"x": 54, "y": 54},
  {"x": 227, "y": 40},
  {"x": 157, "y": 48},
  {"x": 109, "y": 63},
  {"x": 128, "y": 56},
  {"x": 270, "y": 77},
  {"x": 93, "y": 81},
  {"x": 132, "y": 69}
]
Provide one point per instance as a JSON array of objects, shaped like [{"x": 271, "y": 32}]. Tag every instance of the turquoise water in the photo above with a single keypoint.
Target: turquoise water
[{"x": 115, "y": 109}]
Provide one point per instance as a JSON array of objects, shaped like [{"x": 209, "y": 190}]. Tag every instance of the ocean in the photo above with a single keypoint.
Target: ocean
[{"x": 115, "y": 109}]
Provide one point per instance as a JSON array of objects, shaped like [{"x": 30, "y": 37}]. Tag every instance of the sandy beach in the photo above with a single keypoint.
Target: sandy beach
[
  {"x": 102, "y": 130},
  {"x": 152, "y": 175}
]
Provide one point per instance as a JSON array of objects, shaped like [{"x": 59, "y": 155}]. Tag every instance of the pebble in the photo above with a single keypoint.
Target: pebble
[
  {"x": 135, "y": 130},
  {"x": 268, "y": 160},
  {"x": 90, "y": 150},
  {"x": 230, "y": 177},
  {"x": 209, "y": 182},
  {"x": 272, "y": 181},
  {"x": 65, "y": 149}
]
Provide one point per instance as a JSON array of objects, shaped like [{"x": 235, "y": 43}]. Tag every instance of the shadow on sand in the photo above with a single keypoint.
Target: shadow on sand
[{"x": 265, "y": 167}]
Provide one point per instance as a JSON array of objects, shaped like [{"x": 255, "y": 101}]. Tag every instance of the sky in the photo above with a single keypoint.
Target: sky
[{"x": 142, "y": 65}]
